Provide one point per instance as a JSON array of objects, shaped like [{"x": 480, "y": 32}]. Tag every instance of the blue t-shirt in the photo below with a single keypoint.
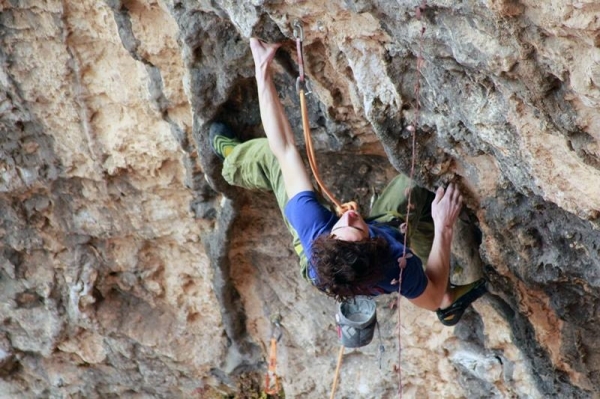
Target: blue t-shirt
[{"x": 310, "y": 219}]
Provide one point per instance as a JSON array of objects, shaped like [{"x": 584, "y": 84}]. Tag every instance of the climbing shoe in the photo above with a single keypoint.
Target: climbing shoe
[
  {"x": 466, "y": 295},
  {"x": 222, "y": 139}
]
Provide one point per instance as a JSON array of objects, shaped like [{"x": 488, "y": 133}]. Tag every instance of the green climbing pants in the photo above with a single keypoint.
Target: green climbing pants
[{"x": 252, "y": 165}]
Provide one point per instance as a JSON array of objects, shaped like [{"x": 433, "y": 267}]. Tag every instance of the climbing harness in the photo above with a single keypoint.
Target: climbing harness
[
  {"x": 272, "y": 385},
  {"x": 302, "y": 88}
]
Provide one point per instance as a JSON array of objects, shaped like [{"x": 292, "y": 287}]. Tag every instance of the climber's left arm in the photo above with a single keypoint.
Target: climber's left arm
[{"x": 445, "y": 209}]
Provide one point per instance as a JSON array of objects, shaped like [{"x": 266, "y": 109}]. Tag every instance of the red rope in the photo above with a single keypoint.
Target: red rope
[{"x": 413, "y": 130}]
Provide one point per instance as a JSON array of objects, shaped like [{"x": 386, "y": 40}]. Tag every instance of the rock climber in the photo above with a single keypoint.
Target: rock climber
[{"x": 349, "y": 255}]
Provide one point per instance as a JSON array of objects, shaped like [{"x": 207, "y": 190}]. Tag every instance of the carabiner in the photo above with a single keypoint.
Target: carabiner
[
  {"x": 276, "y": 330},
  {"x": 298, "y": 31},
  {"x": 304, "y": 85}
]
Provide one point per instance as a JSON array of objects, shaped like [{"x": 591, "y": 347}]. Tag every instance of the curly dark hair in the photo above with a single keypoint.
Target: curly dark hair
[{"x": 348, "y": 268}]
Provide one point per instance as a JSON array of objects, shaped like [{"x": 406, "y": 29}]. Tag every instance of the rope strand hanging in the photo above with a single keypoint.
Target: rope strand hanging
[
  {"x": 412, "y": 128},
  {"x": 340, "y": 208}
]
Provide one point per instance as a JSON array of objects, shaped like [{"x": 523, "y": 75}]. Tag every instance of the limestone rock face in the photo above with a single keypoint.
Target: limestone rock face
[{"x": 130, "y": 269}]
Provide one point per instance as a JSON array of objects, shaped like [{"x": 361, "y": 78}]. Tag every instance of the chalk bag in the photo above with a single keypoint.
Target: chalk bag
[{"x": 356, "y": 319}]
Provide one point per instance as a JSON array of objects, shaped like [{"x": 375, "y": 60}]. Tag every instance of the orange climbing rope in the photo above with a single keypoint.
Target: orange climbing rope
[
  {"x": 301, "y": 88},
  {"x": 339, "y": 207}
]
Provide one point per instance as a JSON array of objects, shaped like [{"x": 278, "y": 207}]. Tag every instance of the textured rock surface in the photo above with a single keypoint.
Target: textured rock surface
[{"x": 125, "y": 273}]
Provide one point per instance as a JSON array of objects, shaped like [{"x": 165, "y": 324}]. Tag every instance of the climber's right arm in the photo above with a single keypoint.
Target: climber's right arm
[{"x": 275, "y": 122}]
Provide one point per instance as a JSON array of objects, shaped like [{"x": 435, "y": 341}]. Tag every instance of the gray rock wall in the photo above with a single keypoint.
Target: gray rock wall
[{"x": 130, "y": 269}]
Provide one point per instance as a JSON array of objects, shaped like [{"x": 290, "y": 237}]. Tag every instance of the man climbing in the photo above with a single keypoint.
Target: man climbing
[{"x": 348, "y": 255}]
